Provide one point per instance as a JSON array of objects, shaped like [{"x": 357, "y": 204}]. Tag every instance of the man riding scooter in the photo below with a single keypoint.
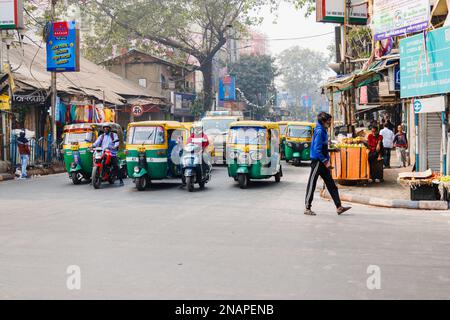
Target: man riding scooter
[{"x": 110, "y": 140}]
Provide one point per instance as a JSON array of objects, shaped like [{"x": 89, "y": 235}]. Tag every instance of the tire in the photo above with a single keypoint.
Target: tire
[
  {"x": 96, "y": 178},
  {"x": 141, "y": 183},
  {"x": 76, "y": 179},
  {"x": 278, "y": 177},
  {"x": 202, "y": 184},
  {"x": 190, "y": 183},
  {"x": 297, "y": 162},
  {"x": 243, "y": 181}
]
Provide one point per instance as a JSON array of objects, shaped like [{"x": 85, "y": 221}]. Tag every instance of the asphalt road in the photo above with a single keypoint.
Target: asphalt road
[{"x": 220, "y": 243}]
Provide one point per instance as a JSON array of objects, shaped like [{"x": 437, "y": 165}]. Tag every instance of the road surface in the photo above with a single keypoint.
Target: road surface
[{"x": 220, "y": 243}]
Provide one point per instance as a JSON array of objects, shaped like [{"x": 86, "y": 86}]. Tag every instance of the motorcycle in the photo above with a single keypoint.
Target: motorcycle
[
  {"x": 195, "y": 170},
  {"x": 102, "y": 169}
]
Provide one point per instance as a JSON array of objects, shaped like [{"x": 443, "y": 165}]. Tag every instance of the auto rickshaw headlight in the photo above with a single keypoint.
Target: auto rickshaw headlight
[
  {"x": 73, "y": 165},
  {"x": 232, "y": 154},
  {"x": 306, "y": 145},
  {"x": 137, "y": 169},
  {"x": 290, "y": 145}
]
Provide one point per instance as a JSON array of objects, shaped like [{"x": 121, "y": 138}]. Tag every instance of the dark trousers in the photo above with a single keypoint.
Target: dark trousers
[
  {"x": 319, "y": 169},
  {"x": 116, "y": 169},
  {"x": 376, "y": 166},
  {"x": 387, "y": 157}
]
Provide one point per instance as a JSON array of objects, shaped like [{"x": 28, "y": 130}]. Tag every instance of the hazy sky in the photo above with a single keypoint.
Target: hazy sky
[{"x": 293, "y": 24}]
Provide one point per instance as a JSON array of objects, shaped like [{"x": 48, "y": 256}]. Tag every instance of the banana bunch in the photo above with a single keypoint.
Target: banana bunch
[
  {"x": 349, "y": 145},
  {"x": 445, "y": 179}
]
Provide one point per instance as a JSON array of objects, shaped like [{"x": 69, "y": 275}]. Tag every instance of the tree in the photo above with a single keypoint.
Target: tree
[
  {"x": 255, "y": 76},
  {"x": 302, "y": 70}
]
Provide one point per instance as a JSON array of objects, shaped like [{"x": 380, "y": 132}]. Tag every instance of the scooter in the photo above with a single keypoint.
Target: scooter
[
  {"x": 195, "y": 170},
  {"x": 102, "y": 169}
]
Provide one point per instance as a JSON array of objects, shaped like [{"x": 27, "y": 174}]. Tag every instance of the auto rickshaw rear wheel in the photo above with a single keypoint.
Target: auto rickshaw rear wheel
[
  {"x": 141, "y": 183},
  {"x": 278, "y": 177},
  {"x": 243, "y": 181}
]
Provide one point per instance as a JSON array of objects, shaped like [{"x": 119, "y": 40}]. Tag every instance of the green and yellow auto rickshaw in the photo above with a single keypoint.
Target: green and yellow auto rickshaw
[
  {"x": 77, "y": 141},
  {"x": 282, "y": 125},
  {"x": 297, "y": 146},
  {"x": 153, "y": 151},
  {"x": 253, "y": 151}
]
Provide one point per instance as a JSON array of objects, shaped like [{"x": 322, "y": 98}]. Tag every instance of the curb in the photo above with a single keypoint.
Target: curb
[
  {"x": 390, "y": 203},
  {"x": 6, "y": 177}
]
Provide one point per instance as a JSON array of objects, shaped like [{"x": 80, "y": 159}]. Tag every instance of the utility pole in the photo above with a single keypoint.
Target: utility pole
[{"x": 54, "y": 93}]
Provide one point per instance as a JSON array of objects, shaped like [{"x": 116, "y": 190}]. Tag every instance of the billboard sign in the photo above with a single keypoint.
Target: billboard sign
[
  {"x": 400, "y": 17},
  {"x": 424, "y": 64},
  {"x": 11, "y": 14},
  {"x": 332, "y": 11},
  {"x": 63, "y": 47},
  {"x": 227, "y": 88}
]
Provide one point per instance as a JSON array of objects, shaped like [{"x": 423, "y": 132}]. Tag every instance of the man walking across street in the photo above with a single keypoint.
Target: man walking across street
[
  {"x": 388, "y": 143},
  {"x": 24, "y": 152},
  {"x": 320, "y": 165},
  {"x": 401, "y": 144}
]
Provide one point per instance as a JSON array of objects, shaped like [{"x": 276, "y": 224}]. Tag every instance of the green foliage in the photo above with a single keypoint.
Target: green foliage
[
  {"x": 255, "y": 77},
  {"x": 360, "y": 41},
  {"x": 197, "y": 108}
]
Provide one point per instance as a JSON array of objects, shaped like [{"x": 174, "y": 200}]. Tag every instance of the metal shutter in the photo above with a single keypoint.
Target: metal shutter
[{"x": 434, "y": 137}]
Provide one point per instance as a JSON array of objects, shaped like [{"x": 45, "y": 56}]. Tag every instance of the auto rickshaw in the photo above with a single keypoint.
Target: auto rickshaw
[
  {"x": 77, "y": 140},
  {"x": 253, "y": 151},
  {"x": 282, "y": 125},
  {"x": 298, "y": 141},
  {"x": 153, "y": 151}
]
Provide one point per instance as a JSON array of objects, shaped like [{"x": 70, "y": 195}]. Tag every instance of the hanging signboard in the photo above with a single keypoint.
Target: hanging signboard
[
  {"x": 399, "y": 17},
  {"x": 332, "y": 11},
  {"x": 11, "y": 14},
  {"x": 5, "y": 103},
  {"x": 63, "y": 47},
  {"x": 428, "y": 105},
  {"x": 227, "y": 89},
  {"x": 424, "y": 65}
]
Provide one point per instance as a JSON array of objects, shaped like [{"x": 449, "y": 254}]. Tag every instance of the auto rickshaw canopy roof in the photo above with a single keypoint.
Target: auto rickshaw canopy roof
[
  {"x": 166, "y": 124},
  {"x": 260, "y": 124},
  {"x": 301, "y": 123}
]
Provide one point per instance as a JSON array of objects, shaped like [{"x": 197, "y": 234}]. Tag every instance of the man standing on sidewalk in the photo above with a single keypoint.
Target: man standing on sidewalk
[
  {"x": 24, "y": 152},
  {"x": 320, "y": 165},
  {"x": 401, "y": 144},
  {"x": 388, "y": 143}
]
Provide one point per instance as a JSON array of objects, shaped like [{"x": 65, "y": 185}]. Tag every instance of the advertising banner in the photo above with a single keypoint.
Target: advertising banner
[
  {"x": 11, "y": 14},
  {"x": 227, "y": 89},
  {"x": 400, "y": 17},
  {"x": 63, "y": 47},
  {"x": 425, "y": 64},
  {"x": 332, "y": 11}
]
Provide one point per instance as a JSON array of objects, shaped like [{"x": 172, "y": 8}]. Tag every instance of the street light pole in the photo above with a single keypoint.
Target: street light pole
[{"x": 54, "y": 93}]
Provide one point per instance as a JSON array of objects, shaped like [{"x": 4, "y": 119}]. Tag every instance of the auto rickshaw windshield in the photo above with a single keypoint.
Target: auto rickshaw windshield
[
  {"x": 299, "y": 132},
  {"x": 78, "y": 137},
  {"x": 248, "y": 135},
  {"x": 146, "y": 135},
  {"x": 282, "y": 128}
]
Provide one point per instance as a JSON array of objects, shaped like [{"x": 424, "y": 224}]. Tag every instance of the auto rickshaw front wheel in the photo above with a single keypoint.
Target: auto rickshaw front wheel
[
  {"x": 76, "y": 178},
  {"x": 141, "y": 183},
  {"x": 243, "y": 181}
]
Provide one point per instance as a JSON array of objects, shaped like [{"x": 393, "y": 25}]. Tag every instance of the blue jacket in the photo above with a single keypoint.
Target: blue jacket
[{"x": 319, "y": 146}]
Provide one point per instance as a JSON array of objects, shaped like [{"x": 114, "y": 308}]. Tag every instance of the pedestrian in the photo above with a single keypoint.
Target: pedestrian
[
  {"x": 390, "y": 125},
  {"x": 375, "y": 143},
  {"x": 388, "y": 143},
  {"x": 320, "y": 165},
  {"x": 401, "y": 144},
  {"x": 24, "y": 152}
]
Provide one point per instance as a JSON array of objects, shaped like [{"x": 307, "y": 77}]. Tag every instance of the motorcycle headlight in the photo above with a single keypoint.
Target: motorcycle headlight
[
  {"x": 137, "y": 169},
  {"x": 256, "y": 156},
  {"x": 98, "y": 156}
]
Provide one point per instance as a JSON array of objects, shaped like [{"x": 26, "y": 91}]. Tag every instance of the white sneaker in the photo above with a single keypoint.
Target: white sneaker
[{"x": 377, "y": 181}]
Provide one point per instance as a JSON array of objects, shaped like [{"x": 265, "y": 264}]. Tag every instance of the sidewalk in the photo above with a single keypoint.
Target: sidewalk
[
  {"x": 35, "y": 172},
  {"x": 388, "y": 194}
]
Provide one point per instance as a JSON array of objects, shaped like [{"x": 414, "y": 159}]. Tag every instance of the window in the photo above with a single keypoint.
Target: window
[
  {"x": 299, "y": 132},
  {"x": 143, "y": 82},
  {"x": 78, "y": 137},
  {"x": 146, "y": 135},
  {"x": 248, "y": 135},
  {"x": 163, "y": 82}
]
